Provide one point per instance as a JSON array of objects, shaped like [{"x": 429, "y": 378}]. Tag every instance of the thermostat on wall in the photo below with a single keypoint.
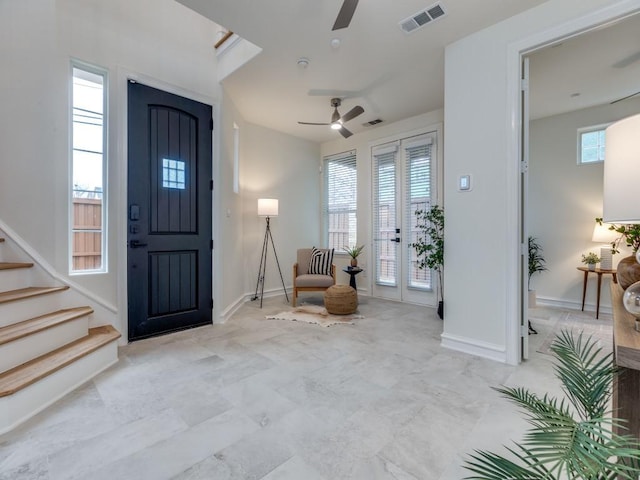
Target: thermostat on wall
[{"x": 464, "y": 183}]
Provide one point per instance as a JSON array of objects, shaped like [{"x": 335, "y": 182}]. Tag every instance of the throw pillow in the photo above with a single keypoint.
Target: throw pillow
[{"x": 321, "y": 260}]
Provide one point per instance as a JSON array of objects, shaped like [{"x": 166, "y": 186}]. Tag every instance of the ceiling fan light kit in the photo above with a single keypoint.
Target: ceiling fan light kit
[{"x": 337, "y": 121}]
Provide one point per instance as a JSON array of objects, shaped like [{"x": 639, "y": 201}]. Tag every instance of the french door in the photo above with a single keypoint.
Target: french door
[{"x": 403, "y": 182}]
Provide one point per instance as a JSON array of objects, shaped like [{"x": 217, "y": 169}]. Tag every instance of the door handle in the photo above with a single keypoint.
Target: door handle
[
  {"x": 136, "y": 244},
  {"x": 397, "y": 239}
]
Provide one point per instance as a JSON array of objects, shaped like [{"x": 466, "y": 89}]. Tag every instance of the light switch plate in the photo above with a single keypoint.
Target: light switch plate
[{"x": 464, "y": 183}]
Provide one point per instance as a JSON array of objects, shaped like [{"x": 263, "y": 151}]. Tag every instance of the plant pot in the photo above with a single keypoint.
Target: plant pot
[
  {"x": 441, "y": 310},
  {"x": 354, "y": 262},
  {"x": 592, "y": 267},
  {"x": 532, "y": 299}
]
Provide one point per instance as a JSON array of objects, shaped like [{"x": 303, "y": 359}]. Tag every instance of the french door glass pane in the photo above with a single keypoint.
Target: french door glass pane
[
  {"x": 418, "y": 190},
  {"x": 385, "y": 219}
]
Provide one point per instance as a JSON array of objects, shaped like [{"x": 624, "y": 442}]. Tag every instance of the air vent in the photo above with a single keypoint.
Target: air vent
[
  {"x": 372, "y": 122},
  {"x": 421, "y": 18}
]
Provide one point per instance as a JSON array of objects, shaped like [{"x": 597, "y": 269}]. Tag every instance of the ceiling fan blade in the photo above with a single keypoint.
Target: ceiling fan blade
[
  {"x": 353, "y": 113},
  {"x": 624, "y": 98},
  {"x": 312, "y": 123},
  {"x": 344, "y": 132},
  {"x": 346, "y": 13}
]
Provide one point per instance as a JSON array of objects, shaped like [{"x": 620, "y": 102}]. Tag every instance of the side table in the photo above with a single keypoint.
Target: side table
[
  {"x": 352, "y": 271},
  {"x": 599, "y": 272}
]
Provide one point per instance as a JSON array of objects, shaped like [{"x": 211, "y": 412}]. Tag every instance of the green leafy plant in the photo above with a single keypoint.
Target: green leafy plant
[
  {"x": 590, "y": 258},
  {"x": 429, "y": 245},
  {"x": 572, "y": 438},
  {"x": 354, "y": 251},
  {"x": 536, "y": 260},
  {"x": 629, "y": 232}
]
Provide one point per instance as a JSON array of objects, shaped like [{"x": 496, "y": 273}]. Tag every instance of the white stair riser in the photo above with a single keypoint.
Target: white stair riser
[
  {"x": 15, "y": 278},
  {"x": 24, "y": 404},
  {"x": 21, "y": 351},
  {"x": 14, "y": 312}
]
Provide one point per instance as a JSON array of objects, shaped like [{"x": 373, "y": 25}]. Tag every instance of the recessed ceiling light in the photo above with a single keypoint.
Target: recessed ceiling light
[
  {"x": 335, "y": 43},
  {"x": 576, "y": 94},
  {"x": 303, "y": 62}
]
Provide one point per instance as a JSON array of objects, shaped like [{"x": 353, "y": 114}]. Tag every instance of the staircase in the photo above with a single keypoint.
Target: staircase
[{"x": 46, "y": 348}]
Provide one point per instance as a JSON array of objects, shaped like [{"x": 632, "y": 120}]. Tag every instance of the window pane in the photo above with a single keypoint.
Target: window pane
[
  {"x": 340, "y": 200},
  {"x": 88, "y": 140},
  {"x": 592, "y": 146}
]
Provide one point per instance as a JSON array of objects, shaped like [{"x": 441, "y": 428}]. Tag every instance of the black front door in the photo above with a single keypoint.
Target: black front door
[{"x": 169, "y": 212}]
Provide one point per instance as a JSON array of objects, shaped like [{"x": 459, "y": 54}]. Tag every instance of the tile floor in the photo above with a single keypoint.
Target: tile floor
[{"x": 281, "y": 400}]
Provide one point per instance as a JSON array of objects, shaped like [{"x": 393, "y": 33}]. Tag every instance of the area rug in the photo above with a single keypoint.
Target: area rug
[
  {"x": 314, "y": 314},
  {"x": 600, "y": 330}
]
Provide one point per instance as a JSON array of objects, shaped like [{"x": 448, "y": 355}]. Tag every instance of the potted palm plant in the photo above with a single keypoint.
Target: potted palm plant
[
  {"x": 429, "y": 246},
  {"x": 353, "y": 252},
  {"x": 572, "y": 438},
  {"x": 536, "y": 265}
]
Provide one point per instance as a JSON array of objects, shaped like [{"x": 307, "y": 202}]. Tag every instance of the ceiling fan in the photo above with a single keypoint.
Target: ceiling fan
[
  {"x": 345, "y": 14},
  {"x": 338, "y": 121}
]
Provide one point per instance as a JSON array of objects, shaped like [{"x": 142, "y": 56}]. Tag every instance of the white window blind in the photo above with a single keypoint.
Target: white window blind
[
  {"x": 340, "y": 200},
  {"x": 418, "y": 197},
  {"x": 384, "y": 213}
]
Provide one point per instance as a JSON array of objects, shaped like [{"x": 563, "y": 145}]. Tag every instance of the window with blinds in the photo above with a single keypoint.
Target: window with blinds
[{"x": 340, "y": 200}]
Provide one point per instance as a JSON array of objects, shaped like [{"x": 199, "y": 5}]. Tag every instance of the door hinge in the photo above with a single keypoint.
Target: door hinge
[
  {"x": 211, "y": 185},
  {"x": 524, "y": 330},
  {"x": 524, "y": 249},
  {"x": 211, "y": 245},
  {"x": 211, "y": 124},
  {"x": 524, "y": 167},
  {"x": 524, "y": 84},
  {"x": 211, "y": 304}
]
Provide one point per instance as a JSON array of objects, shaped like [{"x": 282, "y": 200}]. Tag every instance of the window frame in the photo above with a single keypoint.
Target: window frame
[
  {"x": 347, "y": 158},
  {"x": 102, "y": 72},
  {"x": 584, "y": 130}
]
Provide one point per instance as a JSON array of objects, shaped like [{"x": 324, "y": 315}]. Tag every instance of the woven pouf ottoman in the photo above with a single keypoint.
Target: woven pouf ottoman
[{"x": 340, "y": 299}]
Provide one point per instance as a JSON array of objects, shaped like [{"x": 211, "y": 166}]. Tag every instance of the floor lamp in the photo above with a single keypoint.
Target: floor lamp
[{"x": 267, "y": 207}]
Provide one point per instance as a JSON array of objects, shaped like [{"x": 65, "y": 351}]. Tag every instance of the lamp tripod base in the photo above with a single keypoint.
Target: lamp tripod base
[{"x": 263, "y": 265}]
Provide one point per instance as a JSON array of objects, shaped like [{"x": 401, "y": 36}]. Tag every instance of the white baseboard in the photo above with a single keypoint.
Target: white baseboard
[
  {"x": 491, "y": 351},
  {"x": 570, "y": 305}
]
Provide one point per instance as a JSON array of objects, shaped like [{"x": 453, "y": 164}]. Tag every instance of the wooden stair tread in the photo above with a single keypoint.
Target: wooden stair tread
[
  {"x": 28, "y": 373},
  {"x": 21, "y": 293},
  {"x": 43, "y": 322},
  {"x": 14, "y": 265}
]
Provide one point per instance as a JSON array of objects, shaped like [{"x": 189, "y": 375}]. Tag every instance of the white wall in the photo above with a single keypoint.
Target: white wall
[
  {"x": 276, "y": 165},
  {"x": 158, "y": 39},
  {"x": 362, "y": 143},
  {"x": 482, "y": 130},
  {"x": 564, "y": 199}
]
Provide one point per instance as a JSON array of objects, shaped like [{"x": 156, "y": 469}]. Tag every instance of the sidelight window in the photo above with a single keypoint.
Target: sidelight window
[{"x": 88, "y": 212}]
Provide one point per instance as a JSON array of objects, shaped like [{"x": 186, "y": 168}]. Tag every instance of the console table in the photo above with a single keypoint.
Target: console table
[{"x": 626, "y": 351}]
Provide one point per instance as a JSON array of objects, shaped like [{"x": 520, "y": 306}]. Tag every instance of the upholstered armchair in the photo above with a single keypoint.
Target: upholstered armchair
[{"x": 305, "y": 278}]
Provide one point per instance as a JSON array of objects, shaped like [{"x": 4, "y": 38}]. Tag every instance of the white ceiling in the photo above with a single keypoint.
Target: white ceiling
[
  {"x": 392, "y": 75},
  {"x": 602, "y": 66}
]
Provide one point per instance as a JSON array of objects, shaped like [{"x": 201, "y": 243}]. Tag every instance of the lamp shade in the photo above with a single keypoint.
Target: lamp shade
[
  {"x": 268, "y": 207},
  {"x": 622, "y": 171},
  {"x": 602, "y": 234}
]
